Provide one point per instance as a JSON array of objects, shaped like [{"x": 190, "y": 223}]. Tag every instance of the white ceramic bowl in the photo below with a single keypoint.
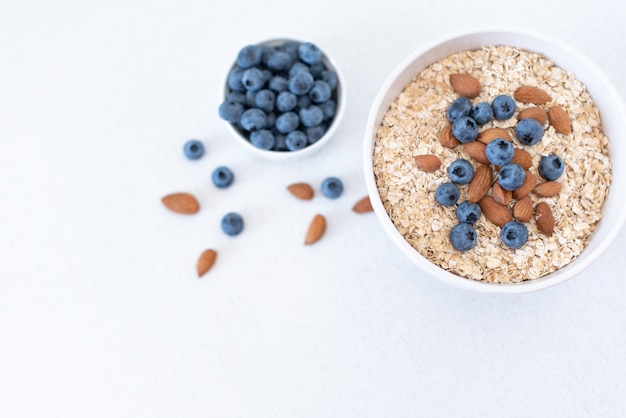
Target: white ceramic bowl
[
  {"x": 605, "y": 96},
  {"x": 340, "y": 94}
]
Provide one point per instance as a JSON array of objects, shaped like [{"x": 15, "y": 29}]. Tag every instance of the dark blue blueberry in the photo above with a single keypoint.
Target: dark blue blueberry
[
  {"x": 329, "y": 107},
  {"x": 291, "y": 47},
  {"x": 236, "y": 96},
  {"x": 250, "y": 98},
  {"x": 447, "y": 194},
  {"x": 193, "y": 149},
  {"x": 253, "y": 79},
  {"x": 280, "y": 144},
  {"x": 278, "y": 83},
  {"x": 463, "y": 237},
  {"x": 320, "y": 92},
  {"x": 332, "y": 187},
  {"x": 267, "y": 75},
  {"x": 299, "y": 67},
  {"x": 296, "y": 140},
  {"x": 271, "y": 120},
  {"x": 232, "y": 224},
  {"x": 286, "y": 101},
  {"x": 300, "y": 83},
  {"x": 262, "y": 139},
  {"x": 316, "y": 70},
  {"x": 499, "y": 152},
  {"x": 511, "y": 176},
  {"x": 551, "y": 167},
  {"x": 468, "y": 212},
  {"x": 304, "y": 101},
  {"x": 266, "y": 52},
  {"x": 465, "y": 129},
  {"x": 265, "y": 100},
  {"x": 314, "y": 133},
  {"x": 230, "y": 111},
  {"x": 222, "y": 177},
  {"x": 503, "y": 107},
  {"x": 287, "y": 122},
  {"x": 310, "y": 53},
  {"x": 461, "y": 171},
  {"x": 528, "y": 131},
  {"x": 253, "y": 119},
  {"x": 514, "y": 234},
  {"x": 311, "y": 116},
  {"x": 234, "y": 79},
  {"x": 459, "y": 108},
  {"x": 279, "y": 61},
  {"x": 482, "y": 113},
  {"x": 330, "y": 77},
  {"x": 249, "y": 56}
]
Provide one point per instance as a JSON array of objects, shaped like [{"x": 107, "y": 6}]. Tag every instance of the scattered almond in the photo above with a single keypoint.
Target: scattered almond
[
  {"x": 302, "y": 191},
  {"x": 446, "y": 138},
  {"x": 480, "y": 184},
  {"x": 530, "y": 94},
  {"x": 363, "y": 206},
  {"x": 534, "y": 112},
  {"x": 544, "y": 218},
  {"x": 529, "y": 184},
  {"x": 476, "y": 150},
  {"x": 206, "y": 261},
  {"x": 184, "y": 203},
  {"x": 523, "y": 209},
  {"x": 490, "y": 134},
  {"x": 560, "y": 120},
  {"x": 496, "y": 213},
  {"x": 465, "y": 85},
  {"x": 547, "y": 189},
  {"x": 522, "y": 158},
  {"x": 317, "y": 227},
  {"x": 501, "y": 195},
  {"x": 427, "y": 162}
]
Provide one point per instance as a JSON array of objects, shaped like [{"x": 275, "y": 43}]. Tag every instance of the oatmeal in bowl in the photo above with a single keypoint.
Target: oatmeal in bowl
[{"x": 490, "y": 160}]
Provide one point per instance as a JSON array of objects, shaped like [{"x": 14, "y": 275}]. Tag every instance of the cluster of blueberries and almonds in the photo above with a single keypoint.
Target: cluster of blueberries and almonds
[
  {"x": 281, "y": 98},
  {"x": 501, "y": 184}
]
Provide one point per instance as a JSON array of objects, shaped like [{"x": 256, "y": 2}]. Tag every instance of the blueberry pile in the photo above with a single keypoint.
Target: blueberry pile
[{"x": 281, "y": 98}]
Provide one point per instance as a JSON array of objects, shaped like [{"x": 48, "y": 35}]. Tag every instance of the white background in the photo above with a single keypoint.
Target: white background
[{"x": 101, "y": 312}]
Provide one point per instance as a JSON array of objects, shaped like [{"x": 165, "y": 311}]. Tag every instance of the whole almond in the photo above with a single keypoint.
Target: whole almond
[
  {"x": 522, "y": 158},
  {"x": 496, "y": 213},
  {"x": 302, "y": 191},
  {"x": 523, "y": 209},
  {"x": 529, "y": 184},
  {"x": 317, "y": 227},
  {"x": 544, "y": 218},
  {"x": 560, "y": 120},
  {"x": 446, "y": 138},
  {"x": 465, "y": 85},
  {"x": 476, "y": 150},
  {"x": 547, "y": 189},
  {"x": 427, "y": 162},
  {"x": 363, "y": 206},
  {"x": 530, "y": 94},
  {"x": 206, "y": 261},
  {"x": 490, "y": 134},
  {"x": 535, "y": 113},
  {"x": 480, "y": 184},
  {"x": 501, "y": 195},
  {"x": 184, "y": 203}
]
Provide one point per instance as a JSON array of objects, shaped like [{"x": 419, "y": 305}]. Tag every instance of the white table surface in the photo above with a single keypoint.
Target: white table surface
[{"x": 101, "y": 313}]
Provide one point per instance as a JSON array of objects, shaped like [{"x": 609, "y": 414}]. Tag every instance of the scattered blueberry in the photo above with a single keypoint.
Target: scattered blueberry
[
  {"x": 311, "y": 116},
  {"x": 468, "y": 212},
  {"x": 222, "y": 177},
  {"x": 300, "y": 83},
  {"x": 253, "y": 79},
  {"x": 249, "y": 56},
  {"x": 447, "y": 194},
  {"x": 463, "y": 237},
  {"x": 551, "y": 167},
  {"x": 310, "y": 53},
  {"x": 265, "y": 100},
  {"x": 332, "y": 187},
  {"x": 296, "y": 140},
  {"x": 286, "y": 101},
  {"x": 287, "y": 122},
  {"x": 514, "y": 234},
  {"x": 481, "y": 113},
  {"x": 253, "y": 119},
  {"x": 320, "y": 92},
  {"x": 262, "y": 139},
  {"x": 503, "y": 107},
  {"x": 193, "y": 149},
  {"x": 465, "y": 129},
  {"x": 528, "y": 131},
  {"x": 461, "y": 171},
  {"x": 511, "y": 176},
  {"x": 499, "y": 152},
  {"x": 459, "y": 108},
  {"x": 230, "y": 111},
  {"x": 232, "y": 224}
]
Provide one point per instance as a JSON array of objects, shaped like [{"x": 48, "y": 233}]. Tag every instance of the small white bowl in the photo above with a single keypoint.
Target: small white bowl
[
  {"x": 612, "y": 113},
  {"x": 340, "y": 94}
]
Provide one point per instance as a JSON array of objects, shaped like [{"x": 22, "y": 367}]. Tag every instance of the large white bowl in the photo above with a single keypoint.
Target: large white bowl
[{"x": 613, "y": 117}]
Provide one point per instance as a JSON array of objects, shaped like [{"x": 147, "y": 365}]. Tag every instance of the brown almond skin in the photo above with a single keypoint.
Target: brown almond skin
[
  {"x": 523, "y": 209},
  {"x": 496, "y": 213},
  {"x": 316, "y": 230},
  {"x": 476, "y": 150},
  {"x": 534, "y": 112},
  {"x": 547, "y": 189},
  {"x": 465, "y": 85},
  {"x": 544, "y": 218},
  {"x": 528, "y": 186},
  {"x": 427, "y": 162},
  {"x": 480, "y": 184},
  {"x": 302, "y": 191},
  {"x": 490, "y": 134},
  {"x": 206, "y": 261},
  {"x": 530, "y": 94},
  {"x": 364, "y": 205},
  {"x": 446, "y": 138},
  {"x": 183, "y": 203},
  {"x": 501, "y": 195},
  {"x": 522, "y": 158},
  {"x": 560, "y": 120}
]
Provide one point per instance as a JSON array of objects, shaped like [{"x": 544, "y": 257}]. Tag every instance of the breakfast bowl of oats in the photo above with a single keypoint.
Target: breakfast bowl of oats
[{"x": 493, "y": 160}]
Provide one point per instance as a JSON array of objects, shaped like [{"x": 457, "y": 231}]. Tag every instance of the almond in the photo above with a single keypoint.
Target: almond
[
  {"x": 560, "y": 120},
  {"x": 476, "y": 150},
  {"x": 544, "y": 218},
  {"x": 535, "y": 113},
  {"x": 523, "y": 209},
  {"x": 529, "y": 184},
  {"x": 547, "y": 189},
  {"x": 522, "y": 158},
  {"x": 501, "y": 195},
  {"x": 480, "y": 184},
  {"x": 302, "y": 191},
  {"x": 206, "y": 261},
  {"x": 446, "y": 138},
  {"x": 317, "y": 227},
  {"x": 465, "y": 85},
  {"x": 363, "y": 206},
  {"x": 496, "y": 213},
  {"x": 490, "y": 134},
  {"x": 183, "y": 203},
  {"x": 427, "y": 162},
  {"x": 529, "y": 94}
]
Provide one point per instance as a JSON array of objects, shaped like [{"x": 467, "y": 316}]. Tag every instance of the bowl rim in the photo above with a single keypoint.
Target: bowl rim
[{"x": 375, "y": 117}]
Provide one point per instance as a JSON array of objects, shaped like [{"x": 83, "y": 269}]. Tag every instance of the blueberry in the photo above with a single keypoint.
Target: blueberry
[
  {"x": 291, "y": 47},
  {"x": 253, "y": 119},
  {"x": 279, "y": 61},
  {"x": 253, "y": 79},
  {"x": 314, "y": 133},
  {"x": 250, "y": 98},
  {"x": 332, "y": 187},
  {"x": 465, "y": 129},
  {"x": 262, "y": 139},
  {"x": 511, "y": 176},
  {"x": 329, "y": 107},
  {"x": 459, "y": 108},
  {"x": 551, "y": 167},
  {"x": 265, "y": 100},
  {"x": 310, "y": 53},
  {"x": 299, "y": 67},
  {"x": 468, "y": 212},
  {"x": 311, "y": 116},
  {"x": 278, "y": 83},
  {"x": 316, "y": 70},
  {"x": 514, "y": 234},
  {"x": 222, "y": 177},
  {"x": 528, "y": 131},
  {"x": 280, "y": 144},
  {"x": 271, "y": 120},
  {"x": 266, "y": 52},
  {"x": 232, "y": 224},
  {"x": 234, "y": 79},
  {"x": 304, "y": 101},
  {"x": 193, "y": 149},
  {"x": 300, "y": 83},
  {"x": 320, "y": 92},
  {"x": 447, "y": 194},
  {"x": 236, "y": 96},
  {"x": 287, "y": 122},
  {"x": 249, "y": 56},
  {"x": 230, "y": 111},
  {"x": 482, "y": 113},
  {"x": 499, "y": 152},
  {"x": 296, "y": 140},
  {"x": 286, "y": 101},
  {"x": 463, "y": 237},
  {"x": 461, "y": 171},
  {"x": 330, "y": 77},
  {"x": 503, "y": 107}
]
